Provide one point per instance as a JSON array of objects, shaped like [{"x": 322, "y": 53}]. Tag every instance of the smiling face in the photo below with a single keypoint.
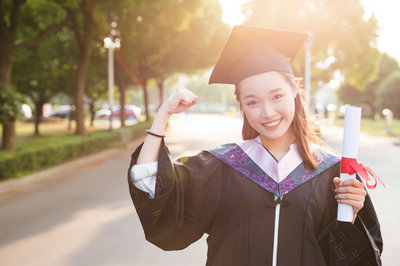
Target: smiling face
[{"x": 268, "y": 102}]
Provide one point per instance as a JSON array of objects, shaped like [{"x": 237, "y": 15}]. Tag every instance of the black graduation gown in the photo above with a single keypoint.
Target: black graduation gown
[{"x": 204, "y": 194}]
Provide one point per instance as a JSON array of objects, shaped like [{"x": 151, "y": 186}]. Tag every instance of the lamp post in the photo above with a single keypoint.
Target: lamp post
[
  {"x": 307, "y": 72},
  {"x": 111, "y": 42}
]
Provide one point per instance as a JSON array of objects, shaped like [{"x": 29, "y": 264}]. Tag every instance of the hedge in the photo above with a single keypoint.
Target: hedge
[{"x": 36, "y": 154}]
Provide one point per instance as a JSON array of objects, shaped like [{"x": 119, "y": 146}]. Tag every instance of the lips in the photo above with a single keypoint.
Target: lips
[{"x": 272, "y": 124}]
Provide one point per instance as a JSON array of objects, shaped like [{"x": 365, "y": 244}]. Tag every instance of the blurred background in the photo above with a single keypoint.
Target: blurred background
[{"x": 80, "y": 77}]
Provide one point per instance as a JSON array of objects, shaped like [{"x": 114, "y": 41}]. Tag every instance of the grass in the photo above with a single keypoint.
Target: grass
[
  {"x": 375, "y": 127},
  {"x": 51, "y": 127}
]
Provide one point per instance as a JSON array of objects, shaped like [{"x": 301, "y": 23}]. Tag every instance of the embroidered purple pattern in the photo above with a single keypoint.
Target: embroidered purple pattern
[{"x": 234, "y": 156}]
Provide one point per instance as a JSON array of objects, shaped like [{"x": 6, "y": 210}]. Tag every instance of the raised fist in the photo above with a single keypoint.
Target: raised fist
[{"x": 179, "y": 101}]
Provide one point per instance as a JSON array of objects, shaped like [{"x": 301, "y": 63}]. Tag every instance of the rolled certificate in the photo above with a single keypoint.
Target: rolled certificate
[{"x": 352, "y": 120}]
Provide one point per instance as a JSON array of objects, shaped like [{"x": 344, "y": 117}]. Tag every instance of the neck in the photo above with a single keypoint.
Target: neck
[{"x": 280, "y": 146}]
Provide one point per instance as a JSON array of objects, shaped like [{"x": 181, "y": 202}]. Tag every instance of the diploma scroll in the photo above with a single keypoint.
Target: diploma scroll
[{"x": 352, "y": 120}]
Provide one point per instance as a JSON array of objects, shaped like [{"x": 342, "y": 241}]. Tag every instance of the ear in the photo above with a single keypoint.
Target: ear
[
  {"x": 295, "y": 88},
  {"x": 242, "y": 111}
]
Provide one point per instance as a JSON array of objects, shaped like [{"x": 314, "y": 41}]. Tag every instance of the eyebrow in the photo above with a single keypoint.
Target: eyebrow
[{"x": 270, "y": 92}]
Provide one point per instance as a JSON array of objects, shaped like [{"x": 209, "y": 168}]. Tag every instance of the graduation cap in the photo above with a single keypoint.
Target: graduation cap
[{"x": 250, "y": 51}]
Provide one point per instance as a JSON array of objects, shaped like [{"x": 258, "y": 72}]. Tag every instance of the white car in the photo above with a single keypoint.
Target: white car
[{"x": 131, "y": 112}]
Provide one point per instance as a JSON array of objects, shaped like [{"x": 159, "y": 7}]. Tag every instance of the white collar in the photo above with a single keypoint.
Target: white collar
[{"x": 276, "y": 170}]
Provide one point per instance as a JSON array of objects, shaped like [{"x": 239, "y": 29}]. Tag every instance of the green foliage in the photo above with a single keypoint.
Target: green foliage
[
  {"x": 37, "y": 15},
  {"x": 352, "y": 95},
  {"x": 40, "y": 153},
  {"x": 157, "y": 46},
  {"x": 349, "y": 94},
  {"x": 23, "y": 24},
  {"x": 10, "y": 101},
  {"x": 46, "y": 69},
  {"x": 340, "y": 31},
  {"x": 387, "y": 65},
  {"x": 96, "y": 78},
  {"x": 212, "y": 97},
  {"x": 389, "y": 93},
  {"x": 196, "y": 46},
  {"x": 164, "y": 37}
]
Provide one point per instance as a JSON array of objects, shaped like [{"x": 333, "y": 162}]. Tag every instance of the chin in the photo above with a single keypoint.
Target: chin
[{"x": 272, "y": 135}]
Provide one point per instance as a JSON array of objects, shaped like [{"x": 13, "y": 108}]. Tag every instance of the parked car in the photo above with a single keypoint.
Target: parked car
[
  {"x": 63, "y": 111},
  {"x": 102, "y": 114},
  {"x": 135, "y": 109},
  {"x": 131, "y": 112},
  {"x": 26, "y": 111}
]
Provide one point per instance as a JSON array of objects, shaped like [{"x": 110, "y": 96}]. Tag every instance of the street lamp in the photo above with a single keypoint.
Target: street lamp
[
  {"x": 111, "y": 42},
  {"x": 307, "y": 72}
]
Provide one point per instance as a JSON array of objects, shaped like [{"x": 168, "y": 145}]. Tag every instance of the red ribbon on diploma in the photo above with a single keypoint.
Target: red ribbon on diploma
[{"x": 351, "y": 166}]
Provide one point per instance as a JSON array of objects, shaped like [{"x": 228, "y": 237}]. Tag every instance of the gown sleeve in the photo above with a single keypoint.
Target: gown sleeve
[
  {"x": 344, "y": 243},
  {"x": 186, "y": 199},
  {"x": 144, "y": 176}
]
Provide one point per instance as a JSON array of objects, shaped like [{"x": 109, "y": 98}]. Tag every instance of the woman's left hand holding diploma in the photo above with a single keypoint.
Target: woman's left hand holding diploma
[{"x": 350, "y": 192}]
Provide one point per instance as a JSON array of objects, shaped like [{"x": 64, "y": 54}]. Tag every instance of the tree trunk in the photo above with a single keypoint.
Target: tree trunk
[
  {"x": 70, "y": 118},
  {"x": 92, "y": 111},
  {"x": 122, "y": 88},
  {"x": 38, "y": 116},
  {"x": 9, "y": 136},
  {"x": 146, "y": 100},
  {"x": 122, "y": 103},
  {"x": 160, "y": 85},
  {"x": 373, "y": 111},
  {"x": 5, "y": 67},
  {"x": 79, "y": 93},
  {"x": 84, "y": 41}
]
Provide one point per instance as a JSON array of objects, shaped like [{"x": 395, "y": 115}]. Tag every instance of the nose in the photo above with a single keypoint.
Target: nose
[{"x": 268, "y": 111}]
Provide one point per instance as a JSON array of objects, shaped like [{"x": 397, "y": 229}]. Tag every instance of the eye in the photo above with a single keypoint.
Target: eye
[
  {"x": 251, "y": 103},
  {"x": 277, "y": 97}
]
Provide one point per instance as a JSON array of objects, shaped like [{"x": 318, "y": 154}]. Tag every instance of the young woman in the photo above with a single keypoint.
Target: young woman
[{"x": 269, "y": 199}]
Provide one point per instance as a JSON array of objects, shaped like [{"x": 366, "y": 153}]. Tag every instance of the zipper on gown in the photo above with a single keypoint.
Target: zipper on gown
[{"x": 278, "y": 200}]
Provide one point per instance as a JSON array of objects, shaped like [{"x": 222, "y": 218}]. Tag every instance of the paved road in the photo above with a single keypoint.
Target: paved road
[{"x": 84, "y": 215}]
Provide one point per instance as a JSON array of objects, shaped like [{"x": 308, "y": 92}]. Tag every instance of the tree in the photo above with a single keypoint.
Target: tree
[
  {"x": 42, "y": 71},
  {"x": 335, "y": 25},
  {"x": 368, "y": 96},
  {"x": 389, "y": 93},
  {"x": 96, "y": 78},
  {"x": 387, "y": 65},
  {"x": 9, "y": 110},
  {"x": 198, "y": 46},
  {"x": 123, "y": 82},
  {"x": 21, "y": 26},
  {"x": 82, "y": 24},
  {"x": 155, "y": 47},
  {"x": 349, "y": 94}
]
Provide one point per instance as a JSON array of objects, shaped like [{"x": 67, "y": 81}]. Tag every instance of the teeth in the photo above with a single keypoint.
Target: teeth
[{"x": 271, "y": 124}]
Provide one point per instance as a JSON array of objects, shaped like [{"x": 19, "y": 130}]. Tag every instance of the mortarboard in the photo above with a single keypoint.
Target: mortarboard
[{"x": 250, "y": 51}]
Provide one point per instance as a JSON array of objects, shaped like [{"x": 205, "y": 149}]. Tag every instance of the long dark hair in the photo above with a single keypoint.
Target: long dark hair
[{"x": 303, "y": 129}]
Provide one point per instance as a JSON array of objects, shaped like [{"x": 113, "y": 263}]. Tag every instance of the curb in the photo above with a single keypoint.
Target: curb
[{"x": 11, "y": 184}]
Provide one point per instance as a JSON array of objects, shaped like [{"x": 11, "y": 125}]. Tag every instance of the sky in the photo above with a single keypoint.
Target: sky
[{"x": 387, "y": 13}]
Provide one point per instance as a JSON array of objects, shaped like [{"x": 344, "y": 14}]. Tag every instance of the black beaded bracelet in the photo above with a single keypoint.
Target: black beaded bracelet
[{"x": 154, "y": 134}]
